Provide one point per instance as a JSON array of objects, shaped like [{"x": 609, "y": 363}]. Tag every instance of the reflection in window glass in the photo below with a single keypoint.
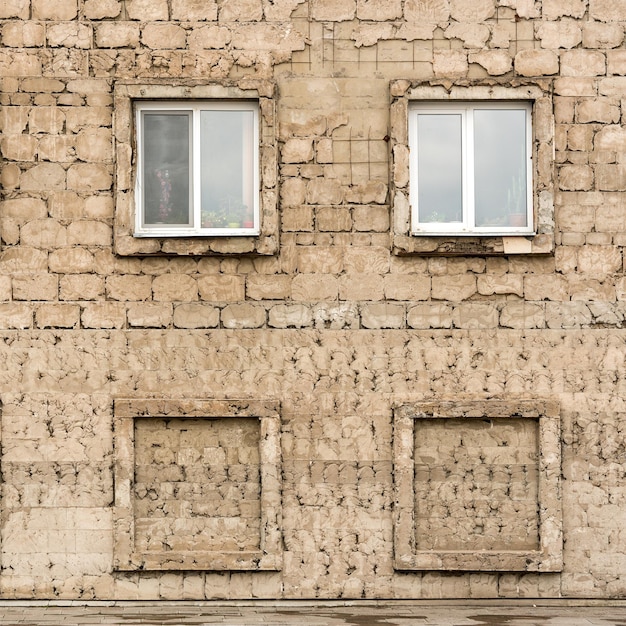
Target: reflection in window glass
[
  {"x": 226, "y": 168},
  {"x": 500, "y": 167},
  {"x": 439, "y": 182},
  {"x": 166, "y": 168}
]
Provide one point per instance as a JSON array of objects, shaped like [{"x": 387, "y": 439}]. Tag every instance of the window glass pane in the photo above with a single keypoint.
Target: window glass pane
[
  {"x": 500, "y": 167},
  {"x": 226, "y": 169},
  {"x": 166, "y": 168},
  {"x": 439, "y": 177}
]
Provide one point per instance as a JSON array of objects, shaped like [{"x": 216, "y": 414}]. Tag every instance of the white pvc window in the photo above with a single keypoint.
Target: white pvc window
[
  {"x": 471, "y": 168},
  {"x": 197, "y": 169}
]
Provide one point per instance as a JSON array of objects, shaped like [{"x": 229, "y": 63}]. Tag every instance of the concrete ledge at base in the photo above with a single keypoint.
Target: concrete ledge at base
[{"x": 573, "y": 612}]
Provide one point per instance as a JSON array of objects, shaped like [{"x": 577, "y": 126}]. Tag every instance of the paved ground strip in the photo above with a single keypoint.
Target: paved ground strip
[{"x": 309, "y": 614}]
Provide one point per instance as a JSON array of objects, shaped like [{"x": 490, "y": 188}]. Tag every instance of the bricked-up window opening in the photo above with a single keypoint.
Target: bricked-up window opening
[
  {"x": 197, "y": 485},
  {"x": 471, "y": 168},
  {"x": 197, "y": 169}
]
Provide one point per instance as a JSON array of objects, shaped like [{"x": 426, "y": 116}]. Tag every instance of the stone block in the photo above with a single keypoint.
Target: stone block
[
  {"x": 128, "y": 288},
  {"x": 104, "y": 315},
  {"x": 371, "y": 218},
  {"x": 562, "y": 34},
  {"x": 19, "y": 147},
  {"x": 324, "y": 191},
  {"x": 383, "y": 315},
  {"x": 290, "y": 316},
  {"x": 43, "y": 177},
  {"x": 409, "y": 287},
  {"x": 14, "y": 8},
  {"x": 536, "y": 62},
  {"x": 297, "y": 219},
  {"x": 319, "y": 259},
  {"x": 160, "y": 36},
  {"x": 575, "y": 177},
  {"x": 58, "y": 10},
  {"x": 147, "y": 10},
  {"x": 426, "y": 11},
  {"x": 194, "y": 10},
  {"x": 43, "y": 233},
  {"x": 555, "y": 9},
  {"x": 99, "y": 9},
  {"x": 474, "y": 315},
  {"x": 36, "y": 287},
  {"x": 314, "y": 287},
  {"x": 366, "y": 259},
  {"x": 240, "y": 10},
  {"x": 174, "y": 288},
  {"x": 522, "y": 315},
  {"x": 496, "y": 62},
  {"x": 81, "y": 287},
  {"x": 333, "y": 219},
  {"x": 243, "y": 316},
  {"x": 583, "y": 63},
  {"x": 546, "y": 287},
  {"x": 378, "y": 11},
  {"x": 149, "y": 315},
  {"x": 361, "y": 287},
  {"x": 477, "y": 11},
  {"x": 221, "y": 288},
  {"x": 117, "y": 35},
  {"x": 89, "y": 233},
  {"x": 46, "y": 120},
  {"x": 333, "y": 10},
  {"x": 491, "y": 284},
  {"x": 22, "y": 34},
  {"x": 568, "y": 315},
  {"x": 268, "y": 287},
  {"x": 16, "y": 315},
  {"x": 94, "y": 145},
  {"x": 600, "y": 35},
  {"x": 68, "y": 34},
  {"x": 19, "y": 63},
  {"x": 453, "y": 288},
  {"x": 607, "y": 11},
  {"x": 196, "y": 315},
  {"x": 57, "y": 316},
  {"x": 450, "y": 63},
  {"x": 89, "y": 177}
]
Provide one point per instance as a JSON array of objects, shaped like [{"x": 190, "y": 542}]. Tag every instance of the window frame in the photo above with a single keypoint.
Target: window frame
[
  {"x": 548, "y": 556},
  {"x": 194, "y": 109},
  {"x": 538, "y": 93},
  {"x": 125, "y": 555},
  {"x": 467, "y": 226},
  {"x": 129, "y": 240}
]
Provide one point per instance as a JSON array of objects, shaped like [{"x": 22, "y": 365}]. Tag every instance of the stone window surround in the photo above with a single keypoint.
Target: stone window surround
[
  {"x": 539, "y": 92},
  {"x": 269, "y": 557},
  {"x": 258, "y": 90},
  {"x": 549, "y": 558}
]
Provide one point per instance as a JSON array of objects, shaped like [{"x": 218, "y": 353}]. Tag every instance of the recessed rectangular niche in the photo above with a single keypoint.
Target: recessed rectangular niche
[
  {"x": 477, "y": 486},
  {"x": 197, "y": 485}
]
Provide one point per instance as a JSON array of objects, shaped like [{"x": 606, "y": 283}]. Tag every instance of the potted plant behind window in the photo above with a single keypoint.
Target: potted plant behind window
[{"x": 516, "y": 202}]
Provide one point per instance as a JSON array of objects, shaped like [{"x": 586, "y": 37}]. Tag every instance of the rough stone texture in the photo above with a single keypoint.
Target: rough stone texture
[
  {"x": 314, "y": 334},
  {"x": 197, "y": 485},
  {"x": 471, "y": 491}
]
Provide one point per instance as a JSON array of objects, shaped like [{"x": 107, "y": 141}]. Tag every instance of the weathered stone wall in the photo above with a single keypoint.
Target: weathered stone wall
[{"x": 328, "y": 333}]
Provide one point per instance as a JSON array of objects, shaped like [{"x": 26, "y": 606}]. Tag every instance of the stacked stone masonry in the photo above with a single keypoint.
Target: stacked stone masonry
[{"x": 334, "y": 408}]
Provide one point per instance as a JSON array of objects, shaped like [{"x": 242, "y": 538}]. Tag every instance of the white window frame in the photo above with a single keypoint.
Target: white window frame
[
  {"x": 194, "y": 108},
  {"x": 467, "y": 227}
]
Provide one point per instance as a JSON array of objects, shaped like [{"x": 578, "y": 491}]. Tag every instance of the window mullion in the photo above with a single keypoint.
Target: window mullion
[
  {"x": 469, "y": 210},
  {"x": 195, "y": 157}
]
